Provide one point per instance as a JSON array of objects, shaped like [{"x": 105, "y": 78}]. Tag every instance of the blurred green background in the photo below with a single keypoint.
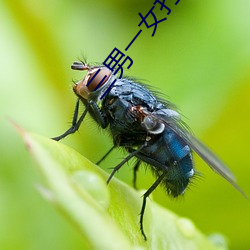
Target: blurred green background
[{"x": 199, "y": 58}]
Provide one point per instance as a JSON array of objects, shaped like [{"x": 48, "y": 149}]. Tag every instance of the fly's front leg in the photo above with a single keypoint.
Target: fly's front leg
[
  {"x": 97, "y": 114},
  {"x": 75, "y": 123},
  {"x": 93, "y": 109}
]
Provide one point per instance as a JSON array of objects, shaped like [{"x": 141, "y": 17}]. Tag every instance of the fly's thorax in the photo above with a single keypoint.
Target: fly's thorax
[
  {"x": 154, "y": 122},
  {"x": 152, "y": 125},
  {"x": 96, "y": 81}
]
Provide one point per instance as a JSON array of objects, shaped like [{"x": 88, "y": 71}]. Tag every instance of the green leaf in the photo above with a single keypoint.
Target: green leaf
[{"x": 107, "y": 215}]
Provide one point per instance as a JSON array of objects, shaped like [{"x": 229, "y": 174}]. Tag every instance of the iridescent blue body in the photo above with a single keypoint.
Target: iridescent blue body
[
  {"x": 125, "y": 108},
  {"x": 148, "y": 127}
]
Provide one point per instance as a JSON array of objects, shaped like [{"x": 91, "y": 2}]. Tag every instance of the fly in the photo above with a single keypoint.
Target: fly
[{"x": 149, "y": 128}]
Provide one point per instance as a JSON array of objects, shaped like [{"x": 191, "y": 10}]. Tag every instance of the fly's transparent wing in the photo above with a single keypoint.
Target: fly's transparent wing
[
  {"x": 207, "y": 155},
  {"x": 174, "y": 123},
  {"x": 210, "y": 158}
]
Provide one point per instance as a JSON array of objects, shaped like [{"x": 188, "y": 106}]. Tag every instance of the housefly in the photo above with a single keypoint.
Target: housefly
[{"x": 148, "y": 127}]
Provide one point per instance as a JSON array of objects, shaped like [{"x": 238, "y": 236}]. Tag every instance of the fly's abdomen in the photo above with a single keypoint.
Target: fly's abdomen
[
  {"x": 170, "y": 155},
  {"x": 180, "y": 166},
  {"x": 178, "y": 176}
]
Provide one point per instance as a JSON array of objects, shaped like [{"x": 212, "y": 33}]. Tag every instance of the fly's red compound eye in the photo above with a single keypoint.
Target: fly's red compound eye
[
  {"x": 94, "y": 79},
  {"x": 97, "y": 77}
]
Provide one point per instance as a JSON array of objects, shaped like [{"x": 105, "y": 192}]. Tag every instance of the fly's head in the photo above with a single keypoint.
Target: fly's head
[{"x": 96, "y": 77}]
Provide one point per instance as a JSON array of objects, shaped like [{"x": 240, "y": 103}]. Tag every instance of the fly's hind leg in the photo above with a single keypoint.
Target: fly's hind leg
[{"x": 145, "y": 196}]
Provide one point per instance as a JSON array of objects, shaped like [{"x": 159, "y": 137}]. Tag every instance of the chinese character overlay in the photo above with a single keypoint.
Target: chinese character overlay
[
  {"x": 114, "y": 58},
  {"x": 133, "y": 40}
]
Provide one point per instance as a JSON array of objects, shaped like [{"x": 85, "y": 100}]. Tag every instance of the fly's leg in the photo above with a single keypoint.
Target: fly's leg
[
  {"x": 97, "y": 114},
  {"x": 105, "y": 155},
  {"x": 92, "y": 108},
  {"x": 124, "y": 161},
  {"x": 145, "y": 196},
  {"x": 75, "y": 124},
  {"x": 136, "y": 167}
]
